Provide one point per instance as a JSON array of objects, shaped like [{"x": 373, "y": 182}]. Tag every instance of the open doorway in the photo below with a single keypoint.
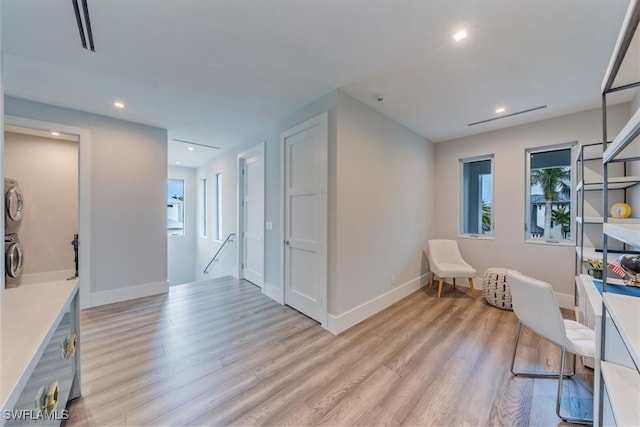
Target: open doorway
[
  {"x": 82, "y": 167},
  {"x": 251, "y": 224},
  {"x": 41, "y": 176}
]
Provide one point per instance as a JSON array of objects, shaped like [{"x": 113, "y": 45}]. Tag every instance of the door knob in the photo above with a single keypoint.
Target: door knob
[{"x": 286, "y": 242}]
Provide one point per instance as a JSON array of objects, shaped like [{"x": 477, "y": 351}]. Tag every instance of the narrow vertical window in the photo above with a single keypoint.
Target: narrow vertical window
[
  {"x": 175, "y": 207},
  {"x": 219, "y": 206},
  {"x": 203, "y": 212},
  {"x": 549, "y": 209},
  {"x": 477, "y": 196}
]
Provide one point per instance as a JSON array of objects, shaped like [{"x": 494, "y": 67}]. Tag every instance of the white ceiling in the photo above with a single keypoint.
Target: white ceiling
[{"x": 222, "y": 72}]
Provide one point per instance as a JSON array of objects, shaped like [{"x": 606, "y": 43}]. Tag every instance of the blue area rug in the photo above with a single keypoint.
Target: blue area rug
[{"x": 618, "y": 289}]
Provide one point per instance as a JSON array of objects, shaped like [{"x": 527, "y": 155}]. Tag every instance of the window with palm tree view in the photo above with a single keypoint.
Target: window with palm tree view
[
  {"x": 477, "y": 196},
  {"x": 549, "y": 199}
]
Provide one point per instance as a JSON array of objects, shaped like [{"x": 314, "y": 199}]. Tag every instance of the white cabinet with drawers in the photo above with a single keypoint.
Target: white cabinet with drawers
[{"x": 40, "y": 353}]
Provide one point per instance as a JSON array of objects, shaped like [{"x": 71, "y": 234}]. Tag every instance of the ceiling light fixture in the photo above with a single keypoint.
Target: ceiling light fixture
[
  {"x": 118, "y": 104},
  {"x": 462, "y": 34},
  {"x": 190, "y": 148},
  {"x": 499, "y": 110},
  {"x": 55, "y": 133}
]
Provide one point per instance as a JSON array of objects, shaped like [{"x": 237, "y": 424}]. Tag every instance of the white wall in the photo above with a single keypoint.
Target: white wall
[
  {"x": 182, "y": 249},
  {"x": 128, "y": 201},
  {"x": 552, "y": 263},
  {"x": 384, "y": 187},
  {"x": 47, "y": 171}
]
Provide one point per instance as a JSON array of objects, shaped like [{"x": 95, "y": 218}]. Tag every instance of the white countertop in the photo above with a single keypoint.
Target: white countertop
[{"x": 27, "y": 316}]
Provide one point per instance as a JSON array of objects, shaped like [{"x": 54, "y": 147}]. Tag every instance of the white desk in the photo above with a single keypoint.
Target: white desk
[
  {"x": 621, "y": 377},
  {"x": 29, "y": 315}
]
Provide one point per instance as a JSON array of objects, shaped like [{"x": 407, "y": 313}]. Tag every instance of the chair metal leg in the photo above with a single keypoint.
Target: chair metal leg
[
  {"x": 559, "y": 398},
  {"x": 560, "y": 376},
  {"x": 532, "y": 374}
]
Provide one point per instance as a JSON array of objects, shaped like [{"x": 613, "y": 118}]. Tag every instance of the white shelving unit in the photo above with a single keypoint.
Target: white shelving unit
[
  {"x": 589, "y": 213},
  {"x": 617, "y": 362}
]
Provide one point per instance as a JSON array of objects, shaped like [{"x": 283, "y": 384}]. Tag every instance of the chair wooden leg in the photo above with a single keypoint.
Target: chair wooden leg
[
  {"x": 440, "y": 287},
  {"x": 473, "y": 291},
  {"x": 454, "y": 283},
  {"x": 431, "y": 281}
]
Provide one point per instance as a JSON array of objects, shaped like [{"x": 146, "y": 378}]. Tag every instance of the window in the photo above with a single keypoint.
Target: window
[
  {"x": 219, "y": 206},
  {"x": 175, "y": 207},
  {"x": 549, "y": 209},
  {"x": 203, "y": 212},
  {"x": 477, "y": 196}
]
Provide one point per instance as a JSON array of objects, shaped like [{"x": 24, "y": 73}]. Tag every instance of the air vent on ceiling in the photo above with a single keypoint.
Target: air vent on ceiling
[
  {"x": 84, "y": 27},
  {"x": 196, "y": 143},
  {"x": 528, "y": 110}
]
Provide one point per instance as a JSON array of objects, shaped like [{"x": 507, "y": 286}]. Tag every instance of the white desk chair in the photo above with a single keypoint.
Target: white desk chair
[
  {"x": 446, "y": 262},
  {"x": 536, "y": 307}
]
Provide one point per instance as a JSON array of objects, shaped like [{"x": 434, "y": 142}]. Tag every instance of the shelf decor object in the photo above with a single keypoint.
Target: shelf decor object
[
  {"x": 620, "y": 210},
  {"x": 630, "y": 264}
]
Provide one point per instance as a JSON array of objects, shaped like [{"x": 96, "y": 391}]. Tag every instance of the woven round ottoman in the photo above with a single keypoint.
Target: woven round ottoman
[{"x": 495, "y": 288}]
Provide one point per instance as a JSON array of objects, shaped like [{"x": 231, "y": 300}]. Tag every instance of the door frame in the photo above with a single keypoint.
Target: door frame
[
  {"x": 84, "y": 196},
  {"x": 321, "y": 120},
  {"x": 242, "y": 157}
]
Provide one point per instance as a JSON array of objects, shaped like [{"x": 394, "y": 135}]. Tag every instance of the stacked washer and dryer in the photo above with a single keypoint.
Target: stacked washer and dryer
[{"x": 14, "y": 209}]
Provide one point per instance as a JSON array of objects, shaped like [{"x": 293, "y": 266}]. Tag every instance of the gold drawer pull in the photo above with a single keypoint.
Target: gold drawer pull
[
  {"x": 68, "y": 347},
  {"x": 47, "y": 398}
]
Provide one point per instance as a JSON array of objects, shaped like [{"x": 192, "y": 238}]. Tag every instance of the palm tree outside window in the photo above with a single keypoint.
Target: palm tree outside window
[{"x": 549, "y": 197}]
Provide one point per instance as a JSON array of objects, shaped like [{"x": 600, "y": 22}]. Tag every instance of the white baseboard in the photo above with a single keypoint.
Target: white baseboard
[
  {"x": 274, "y": 292},
  {"x": 565, "y": 300},
  {"x": 124, "y": 294},
  {"x": 342, "y": 322}
]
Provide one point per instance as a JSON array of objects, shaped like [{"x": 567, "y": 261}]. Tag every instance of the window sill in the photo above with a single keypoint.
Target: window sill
[
  {"x": 551, "y": 242},
  {"x": 476, "y": 236}
]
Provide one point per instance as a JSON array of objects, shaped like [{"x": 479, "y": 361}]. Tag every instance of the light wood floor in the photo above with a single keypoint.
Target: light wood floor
[{"x": 221, "y": 353}]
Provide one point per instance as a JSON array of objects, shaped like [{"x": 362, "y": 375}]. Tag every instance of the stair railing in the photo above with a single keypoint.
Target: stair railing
[{"x": 229, "y": 239}]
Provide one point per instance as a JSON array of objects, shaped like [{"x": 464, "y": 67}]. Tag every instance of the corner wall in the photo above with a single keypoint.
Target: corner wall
[
  {"x": 128, "y": 201},
  {"x": 554, "y": 263},
  {"x": 384, "y": 186}
]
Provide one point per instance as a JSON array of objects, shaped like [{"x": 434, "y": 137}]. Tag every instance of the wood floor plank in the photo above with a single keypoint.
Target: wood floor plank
[{"x": 221, "y": 353}]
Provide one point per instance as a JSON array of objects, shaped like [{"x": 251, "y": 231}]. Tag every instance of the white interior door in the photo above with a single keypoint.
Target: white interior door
[
  {"x": 253, "y": 219},
  {"x": 305, "y": 222}
]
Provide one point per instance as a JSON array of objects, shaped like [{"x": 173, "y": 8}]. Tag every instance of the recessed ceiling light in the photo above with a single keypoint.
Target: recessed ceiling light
[
  {"x": 499, "y": 110},
  {"x": 55, "y": 133},
  {"x": 177, "y": 162},
  {"x": 462, "y": 34},
  {"x": 190, "y": 148},
  {"x": 118, "y": 104}
]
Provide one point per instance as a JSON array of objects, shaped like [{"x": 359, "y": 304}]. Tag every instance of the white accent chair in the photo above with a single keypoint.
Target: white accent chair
[
  {"x": 446, "y": 262},
  {"x": 536, "y": 308}
]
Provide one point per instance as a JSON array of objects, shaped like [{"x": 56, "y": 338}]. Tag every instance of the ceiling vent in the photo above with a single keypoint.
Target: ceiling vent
[
  {"x": 528, "y": 110},
  {"x": 195, "y": 143},
  {"x": 84, "y": 27}
]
